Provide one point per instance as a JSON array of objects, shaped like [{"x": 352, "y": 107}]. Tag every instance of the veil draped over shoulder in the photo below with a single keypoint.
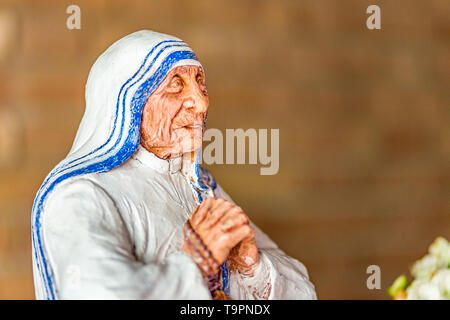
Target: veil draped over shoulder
[{"x": 119, "y": 83}]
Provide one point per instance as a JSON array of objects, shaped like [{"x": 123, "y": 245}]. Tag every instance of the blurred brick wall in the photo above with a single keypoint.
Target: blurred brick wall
[{"x": 363, "y": 116}]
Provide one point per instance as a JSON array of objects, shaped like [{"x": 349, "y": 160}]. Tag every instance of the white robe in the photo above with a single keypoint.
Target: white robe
[{"x": 117, "y": 235}]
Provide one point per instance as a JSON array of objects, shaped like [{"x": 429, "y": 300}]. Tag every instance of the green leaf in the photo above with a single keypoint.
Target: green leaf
[{"x": 399, "y": 284}]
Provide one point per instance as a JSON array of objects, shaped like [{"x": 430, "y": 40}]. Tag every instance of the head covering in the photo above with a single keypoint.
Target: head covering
[{"x": 119, "y": 83}]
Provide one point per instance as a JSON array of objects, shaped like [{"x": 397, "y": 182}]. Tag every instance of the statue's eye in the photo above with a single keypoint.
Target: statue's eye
[
  {"x": 201, "y": 82},
  {"x": 175, "y": 85}
]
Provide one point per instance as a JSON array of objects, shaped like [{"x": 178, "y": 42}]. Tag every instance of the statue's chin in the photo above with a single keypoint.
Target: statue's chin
[
  {"x": 190, "y": 146},
  {"x": 173, "y": 155},
  {"x": 190, "y": 150},
  {"x": 166, "y": 153}
]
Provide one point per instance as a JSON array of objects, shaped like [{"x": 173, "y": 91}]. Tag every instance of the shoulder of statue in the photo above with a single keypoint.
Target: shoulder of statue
[{"x": 81, "y": 188}]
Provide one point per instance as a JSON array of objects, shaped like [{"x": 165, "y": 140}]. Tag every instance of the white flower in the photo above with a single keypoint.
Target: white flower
[
  {"x": 423, "y": 290},
  {"x": 431, "y": 274},
  {"x": 424, "y": 268},
  {"x": 440, "y": 248},
  {"x": 438, "y": 257},
  {"x": 442, "y": 280}
]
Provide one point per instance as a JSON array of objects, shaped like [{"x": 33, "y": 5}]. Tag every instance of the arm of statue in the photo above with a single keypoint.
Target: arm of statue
[
  {"x": 92, "y": 256},
  {"x": 260, "y": 270}
]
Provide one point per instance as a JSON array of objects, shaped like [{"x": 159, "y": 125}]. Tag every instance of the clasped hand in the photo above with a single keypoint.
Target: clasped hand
[{"x": 225, "y": 231}]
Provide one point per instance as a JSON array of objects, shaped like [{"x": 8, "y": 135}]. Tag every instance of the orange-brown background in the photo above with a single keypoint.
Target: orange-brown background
[{"x": 363, "y": 116}]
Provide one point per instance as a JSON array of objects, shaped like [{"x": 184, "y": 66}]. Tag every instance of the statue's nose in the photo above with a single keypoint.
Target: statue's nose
[
  {"x": 189, "y": 103},
  {"x": 195, "y": 104}
]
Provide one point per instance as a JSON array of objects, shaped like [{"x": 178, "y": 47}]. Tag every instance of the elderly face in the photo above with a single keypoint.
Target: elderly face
[{"x": 173, "y": 116}]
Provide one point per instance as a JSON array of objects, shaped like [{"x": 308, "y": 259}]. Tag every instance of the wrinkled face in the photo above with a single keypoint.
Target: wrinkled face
[{"x": 173, "y": 116}]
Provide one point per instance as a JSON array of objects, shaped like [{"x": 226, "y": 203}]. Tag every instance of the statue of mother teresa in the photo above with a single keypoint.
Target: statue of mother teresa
[{"x": 130, "y": 214}]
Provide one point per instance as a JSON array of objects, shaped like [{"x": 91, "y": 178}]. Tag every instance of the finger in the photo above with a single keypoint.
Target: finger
[
  {"x": 233, "y": 211},
  {"x": 233, "y": 220},
  {"x": 217, "y": 203},
  {"x": 217, "y": 214},
  {"x": 251, "y": 236},
  {"x": 202, "y": 210},
  {"x": 236, "y": 235}
]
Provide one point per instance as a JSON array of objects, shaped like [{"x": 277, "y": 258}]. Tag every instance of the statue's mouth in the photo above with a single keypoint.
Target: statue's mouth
[
  {"x": 194, "y": 126},
  {"x": 191, "y": 126}
]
